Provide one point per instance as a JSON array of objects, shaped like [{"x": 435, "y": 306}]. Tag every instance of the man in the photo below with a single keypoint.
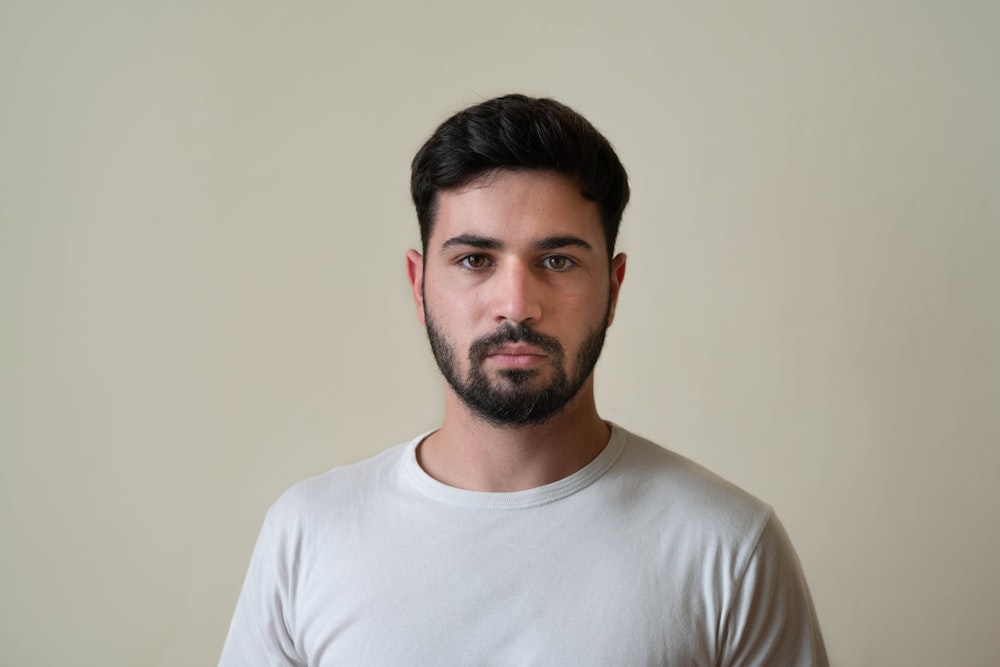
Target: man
[{"x": 526, "y": 530}]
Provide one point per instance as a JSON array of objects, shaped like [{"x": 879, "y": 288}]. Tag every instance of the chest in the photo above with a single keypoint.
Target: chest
[{"x": 507, "y": 589}]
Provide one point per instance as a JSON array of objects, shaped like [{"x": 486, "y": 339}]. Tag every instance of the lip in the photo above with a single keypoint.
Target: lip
[
  {"x": 517, "y": 349},
  {"x": 519, "y": 355}
]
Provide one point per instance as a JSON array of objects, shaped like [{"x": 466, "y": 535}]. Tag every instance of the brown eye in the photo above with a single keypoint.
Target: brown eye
[
  {"x": 474, "y": 261},
  {"x": 557, "y": 263}
]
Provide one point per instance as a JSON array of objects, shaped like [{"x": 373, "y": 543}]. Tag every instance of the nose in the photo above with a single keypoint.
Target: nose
[{"x": 518, "y": 296}]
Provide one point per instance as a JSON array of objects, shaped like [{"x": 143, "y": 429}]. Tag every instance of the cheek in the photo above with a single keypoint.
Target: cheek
[
  {"x": 585, "y": 305},
  {"x": 590, "y": 286},
  {"x": 456, "y": 317},
  {"x": 449, "y": 303}
]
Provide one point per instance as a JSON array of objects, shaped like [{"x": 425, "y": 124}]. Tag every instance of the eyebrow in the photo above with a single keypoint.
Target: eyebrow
[
  {"x": 556, "y": 242},
  {"x": 473, "y": 240},
  {"x": 490, "y": 243}
]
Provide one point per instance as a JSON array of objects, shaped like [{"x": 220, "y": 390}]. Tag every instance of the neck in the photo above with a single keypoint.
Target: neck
[{"x": 470, "y": 453}]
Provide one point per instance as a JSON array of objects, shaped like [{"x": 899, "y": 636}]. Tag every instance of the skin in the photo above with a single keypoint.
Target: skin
[{"x": 513, "y": 248}]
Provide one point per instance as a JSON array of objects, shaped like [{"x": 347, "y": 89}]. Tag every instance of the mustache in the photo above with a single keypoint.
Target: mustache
[{"x": 508, "y": 333}]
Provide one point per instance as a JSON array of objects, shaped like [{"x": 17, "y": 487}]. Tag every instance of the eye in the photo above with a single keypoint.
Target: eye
[
  {"x": 474, "y": 262},
  {"x": 557, "y": 263}
]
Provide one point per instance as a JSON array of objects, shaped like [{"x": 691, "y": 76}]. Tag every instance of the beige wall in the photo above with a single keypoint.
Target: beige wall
[{"x": 203, "y": 215}]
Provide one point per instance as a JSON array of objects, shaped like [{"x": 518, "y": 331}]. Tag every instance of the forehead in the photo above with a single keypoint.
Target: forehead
[{"x": 517, "y": 206}]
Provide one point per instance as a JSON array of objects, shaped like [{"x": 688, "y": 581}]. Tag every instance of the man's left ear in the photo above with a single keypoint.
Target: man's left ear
[{"x": 617, "y": 278}]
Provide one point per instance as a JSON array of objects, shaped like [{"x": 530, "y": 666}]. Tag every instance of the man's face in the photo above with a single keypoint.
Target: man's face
[{"x": 516, "y": 294}]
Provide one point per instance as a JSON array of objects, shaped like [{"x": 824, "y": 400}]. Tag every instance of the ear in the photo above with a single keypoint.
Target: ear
[
  {"x": 415, "y": 272},
  {"x": 617, "y": 278}
]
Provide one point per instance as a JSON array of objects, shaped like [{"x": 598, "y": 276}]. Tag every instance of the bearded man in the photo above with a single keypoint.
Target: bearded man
[{"x": 526, "y": 530}]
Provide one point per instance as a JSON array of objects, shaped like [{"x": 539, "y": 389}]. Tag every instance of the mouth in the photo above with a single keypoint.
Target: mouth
[{"x": 516, "y": 355}]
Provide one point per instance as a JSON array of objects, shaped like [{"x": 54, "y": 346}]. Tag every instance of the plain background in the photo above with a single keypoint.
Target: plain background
[{"x": 203, "y": 216}]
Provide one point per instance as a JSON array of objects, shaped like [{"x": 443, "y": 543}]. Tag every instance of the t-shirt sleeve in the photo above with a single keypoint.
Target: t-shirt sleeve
[
  {"x": 771, "y": 619},
  {"x": 259, "y": 634}
]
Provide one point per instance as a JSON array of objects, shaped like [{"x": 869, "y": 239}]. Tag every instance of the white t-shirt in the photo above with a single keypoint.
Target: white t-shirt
[{"x": 640, "y": 558}]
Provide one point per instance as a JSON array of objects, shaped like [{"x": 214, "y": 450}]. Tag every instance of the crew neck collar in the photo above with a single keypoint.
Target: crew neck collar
[{"x": 514, "y": 500}]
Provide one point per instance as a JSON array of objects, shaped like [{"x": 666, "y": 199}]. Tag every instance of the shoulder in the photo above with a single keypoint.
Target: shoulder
[
  {"x": 647, "y": 464},
  {"x": 738, "y": 550},
  {"x": 670, "y": 484},
  {"x": 340, "y": 491}
]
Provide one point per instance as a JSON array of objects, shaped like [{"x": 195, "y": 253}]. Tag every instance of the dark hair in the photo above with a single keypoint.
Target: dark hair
[{"x": 518, "y": 133}]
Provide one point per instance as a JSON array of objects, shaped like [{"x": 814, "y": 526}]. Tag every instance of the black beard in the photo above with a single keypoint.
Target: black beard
[{"x": 512, "y": 401}]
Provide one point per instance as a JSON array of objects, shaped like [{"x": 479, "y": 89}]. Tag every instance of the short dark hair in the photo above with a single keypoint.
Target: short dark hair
[{"x": 518, "y": 133}]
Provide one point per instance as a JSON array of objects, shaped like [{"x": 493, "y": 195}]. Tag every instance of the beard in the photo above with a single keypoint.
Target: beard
[{"x": 516, "y": 398}]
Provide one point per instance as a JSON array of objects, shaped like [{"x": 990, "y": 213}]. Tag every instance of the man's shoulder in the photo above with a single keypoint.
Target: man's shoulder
[
  {"x": 341, "y": 487},
  {"x": 668, "y": 480}
]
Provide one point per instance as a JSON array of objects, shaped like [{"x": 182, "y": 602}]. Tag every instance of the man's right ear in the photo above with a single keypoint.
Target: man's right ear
[{"x": 415, "y": 272}]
